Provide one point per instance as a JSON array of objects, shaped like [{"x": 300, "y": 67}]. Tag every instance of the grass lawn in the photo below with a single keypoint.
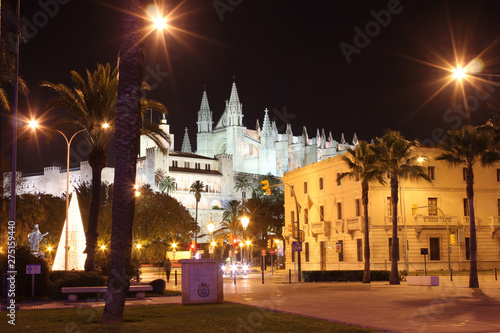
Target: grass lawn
[{"x": 174, "y": 318}]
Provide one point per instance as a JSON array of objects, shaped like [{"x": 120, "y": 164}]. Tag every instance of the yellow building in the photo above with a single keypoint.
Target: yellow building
[{"x": 330, "y": 216}]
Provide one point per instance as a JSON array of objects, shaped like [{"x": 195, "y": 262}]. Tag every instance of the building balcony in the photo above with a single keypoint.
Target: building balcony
[
  {"x": 355, "y": 224},
  {"x": 322, "y": 227}
]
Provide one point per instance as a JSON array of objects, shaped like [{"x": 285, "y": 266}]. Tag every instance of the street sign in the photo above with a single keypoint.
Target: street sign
[
  {"x": 33, "y": 269},
  {"x": 338, "y": 247},
  {"x": 272, "y": 252},
  {"x": 297, "y": 246},
  {"x": 263, "y": 252},
  {"x": 424, "y": 251}
]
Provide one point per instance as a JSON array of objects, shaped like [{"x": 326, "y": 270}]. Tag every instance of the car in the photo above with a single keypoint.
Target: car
[{"x": 237, "y": 267}]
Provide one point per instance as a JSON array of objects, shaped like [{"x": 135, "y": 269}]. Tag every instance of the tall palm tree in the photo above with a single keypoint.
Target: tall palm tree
[
  {"x": 362, "y": 164},
  {"x": 242, "y": 183},
  {"x": 91, "y": 103},
  {"x": 164, "y": 182},
  {"x": 396, "y": 156},
  {"x": 197, "y": 188},
  {"x": 468, "y": 146},
  {"x": 231, "y": 221},
  {"x": 128, "y": 125}
]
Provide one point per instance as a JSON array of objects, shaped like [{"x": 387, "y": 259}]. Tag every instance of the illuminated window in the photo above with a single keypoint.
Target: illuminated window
[
  {"x": 432, "y": 203},
  {"x": 431, "y": 172}
]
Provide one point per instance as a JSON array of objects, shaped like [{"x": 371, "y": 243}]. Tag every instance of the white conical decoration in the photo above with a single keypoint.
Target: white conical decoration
[{"x": 76, "y": 257}]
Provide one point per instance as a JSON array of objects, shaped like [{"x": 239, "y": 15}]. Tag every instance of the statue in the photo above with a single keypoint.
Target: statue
[{"x": 35, "y": 237}]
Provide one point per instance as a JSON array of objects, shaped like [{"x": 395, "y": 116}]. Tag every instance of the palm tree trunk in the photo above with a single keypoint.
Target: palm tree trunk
[
  {"x": 473, "y": 279},
  {"x": 364, "y": 194},
  {"x": 97, "y": 161},
  {"x": 394, "y": 279},
  {"x": 196, "y": 227},
  {"x": 127, "y": 131}
]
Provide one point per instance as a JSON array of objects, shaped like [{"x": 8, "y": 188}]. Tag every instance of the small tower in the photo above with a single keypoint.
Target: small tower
[
  {"x": 267, "y": 151},
  {"x": 234, "y": 109}
]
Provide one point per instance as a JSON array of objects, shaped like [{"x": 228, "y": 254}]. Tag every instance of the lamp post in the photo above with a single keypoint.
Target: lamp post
[
  {"x": 244, "y": 223},
  {"x": 211, "y": 227},
  {"x": 68, "y": 143}
]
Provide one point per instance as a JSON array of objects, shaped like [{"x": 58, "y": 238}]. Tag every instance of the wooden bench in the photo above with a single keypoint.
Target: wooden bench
[
  {"x": 422, "y": 280},
  {"x": 72, "y": 291}
]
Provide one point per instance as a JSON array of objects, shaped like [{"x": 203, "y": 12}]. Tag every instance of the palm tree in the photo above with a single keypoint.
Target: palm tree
[
  {"x": 231, "y": 221},
  {"x": 395, "y": 156},
  {"x": 128, "y": 125},
  {"x": 362, "y": 164},
  {"x": 197, "y": 188},
  {"x": 242, "y": 183},
  {"x": 468, "y": 146},
  {"x": 92, "y": 104},
  {"x": 164, "y": 182}
]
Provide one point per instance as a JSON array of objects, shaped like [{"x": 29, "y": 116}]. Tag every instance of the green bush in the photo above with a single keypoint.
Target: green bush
[
  {"x": 23, "y": 257},
  {"x": 102, "y": 264},
  {"x": 158, "y": 286},
  {"x": 315, "y": 276},
  {"x": 59, "y": 279}
]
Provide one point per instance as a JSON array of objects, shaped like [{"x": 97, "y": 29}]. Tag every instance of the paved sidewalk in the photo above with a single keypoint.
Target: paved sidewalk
[{"x": 449, "y": 307}]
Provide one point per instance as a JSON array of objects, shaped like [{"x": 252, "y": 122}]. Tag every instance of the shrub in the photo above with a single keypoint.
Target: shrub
[
  {"x": 24, "y": 257},
  {"x": 102, "y": 264},
  {"x": 59, "y": 279},
  {"x": 158, "y": 286},
  {"x": 314, "y": 276}
]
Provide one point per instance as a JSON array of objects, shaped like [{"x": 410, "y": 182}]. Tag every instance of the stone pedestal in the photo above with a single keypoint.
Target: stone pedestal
[{"x": 202, "y": 281}]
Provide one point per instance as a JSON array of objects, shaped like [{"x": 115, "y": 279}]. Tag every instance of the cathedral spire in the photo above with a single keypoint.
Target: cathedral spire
[
  {"x": 186, "y": 144},
  {"x": 204, "y": 115},
  {"x": 355, "y": 140},
  {"x": 234, "y": 109}
]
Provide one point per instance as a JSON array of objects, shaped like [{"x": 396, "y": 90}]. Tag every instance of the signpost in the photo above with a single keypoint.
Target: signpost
[
  {"x": 263, "y": 263},
  {"x": 297, "y": 246},
  {"x": 33, "y": 269},
  {"x": 272, "y": 252},
  {"x": 338, "y": 247}
]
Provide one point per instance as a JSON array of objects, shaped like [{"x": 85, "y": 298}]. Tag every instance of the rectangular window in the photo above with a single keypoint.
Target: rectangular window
[
  {"x": 207, "y": 167},
  {"x": 434, "y": 245},
  {"x": 292, "y": 217},
  {"x": 341, "y": 254},
  {"x": 431, "y": 172},
  {"x": 390, "y": 249},
  {"x": 358, "y": 207},
  {"x": 321, "y": 213},
  {"x": 466, "y": 207},
  {"x": 174, "y": 164},
  {"x": 292, "y": 191},
  {"x": 464, "y": 173},
  {"x": 389, "y": 207},
  {"x": 321, "y": 183},
  {"x": 197, "y": 166},
  {"x": 467, "y": 248},
  {"x": 432, "y": 203},
  {"x": 306, "y": 251},
  {"x": 338, "y": 180},
  {"x": 339, "y": 210},
  {"x": 306, "y": 216},
  {"x": 498, "y": 175},
  {"x": 305, "y": 187},
  {"x": 359, "y": 249},
  {"x": 186, "y": 165}
]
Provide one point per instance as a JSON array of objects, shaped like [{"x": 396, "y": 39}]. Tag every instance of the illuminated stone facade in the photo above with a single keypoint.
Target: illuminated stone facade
[{"x": 341, "y": 222}]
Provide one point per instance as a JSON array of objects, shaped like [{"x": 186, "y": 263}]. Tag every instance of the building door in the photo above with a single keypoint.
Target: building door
[{"x": 322, "y": 246}]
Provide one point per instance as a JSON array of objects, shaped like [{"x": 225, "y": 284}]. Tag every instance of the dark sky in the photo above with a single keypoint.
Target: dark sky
[{"x": 285, "y": 55}]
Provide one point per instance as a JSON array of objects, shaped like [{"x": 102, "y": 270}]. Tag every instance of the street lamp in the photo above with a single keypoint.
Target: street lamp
[
  {"x": 244, "y": 223},
  {"x": 211, "y": 228}
]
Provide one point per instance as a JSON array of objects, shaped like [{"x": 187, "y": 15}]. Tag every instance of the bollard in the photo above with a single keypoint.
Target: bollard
[
  {"x": 234, "y": 277},
  {"x": 290, "y": 276},
  {"x": 451, "y": 274},
  {"x": 262, "y": 277},
  {"x": 496, "y": 277},
  {"x": 138, "y": 276},
  {"x": 175, "y": 277}
]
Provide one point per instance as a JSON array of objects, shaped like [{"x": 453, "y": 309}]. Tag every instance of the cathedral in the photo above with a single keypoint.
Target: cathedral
[{"x": 223, "y": 153}]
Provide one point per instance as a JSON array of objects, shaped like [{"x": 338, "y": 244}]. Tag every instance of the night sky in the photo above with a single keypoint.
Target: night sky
[{"x": 287, "y": 56}]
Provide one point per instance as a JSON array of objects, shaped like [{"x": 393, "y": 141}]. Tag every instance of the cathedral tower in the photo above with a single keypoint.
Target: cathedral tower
[{"x": 204, "y": 137}]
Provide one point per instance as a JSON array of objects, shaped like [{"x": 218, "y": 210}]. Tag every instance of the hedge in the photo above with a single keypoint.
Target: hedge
[{"x": 314, "y": 276}]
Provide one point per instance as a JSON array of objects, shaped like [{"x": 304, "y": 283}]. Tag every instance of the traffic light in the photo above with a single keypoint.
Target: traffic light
[
  {"x": 265, "y": 187},
  {"x": 453, "y": 239},
  {"x": 414, "y": 209}
]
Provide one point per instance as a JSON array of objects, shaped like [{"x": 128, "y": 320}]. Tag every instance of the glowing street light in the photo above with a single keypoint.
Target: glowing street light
[
  {"x": 103, "y": 247},
  {"x": 459, "y": 73}
]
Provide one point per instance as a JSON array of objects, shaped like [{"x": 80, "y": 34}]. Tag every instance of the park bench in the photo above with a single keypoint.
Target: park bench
[
  {"x": 422, "y": 280},
  {"x": 72, "y": 291}
]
